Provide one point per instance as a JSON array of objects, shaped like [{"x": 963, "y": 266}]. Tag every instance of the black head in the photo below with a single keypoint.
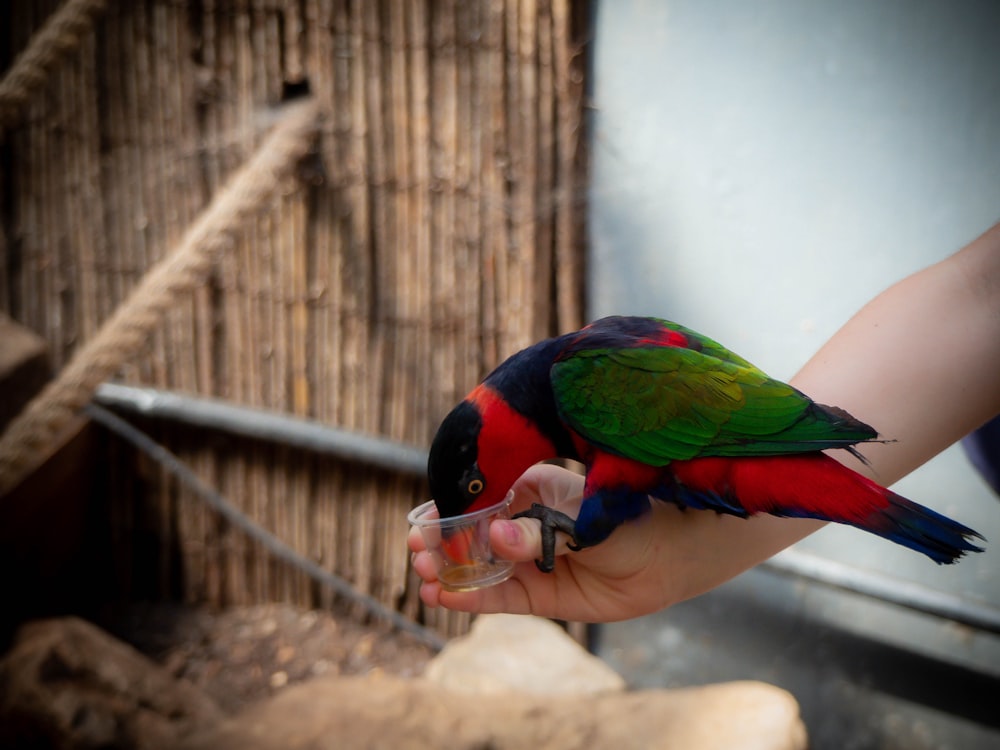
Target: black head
[{"x": 452, "y": 469}]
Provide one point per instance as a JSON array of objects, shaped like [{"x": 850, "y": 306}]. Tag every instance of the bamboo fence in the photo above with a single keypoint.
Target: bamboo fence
[{"x": 435, "y": 228}]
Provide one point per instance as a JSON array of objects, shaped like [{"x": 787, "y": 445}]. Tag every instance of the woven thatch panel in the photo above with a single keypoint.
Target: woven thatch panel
[{"x": 436, "y": 230}]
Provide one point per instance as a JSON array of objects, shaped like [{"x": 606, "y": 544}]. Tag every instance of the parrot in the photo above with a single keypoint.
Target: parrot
[{"x": 656, "y": 411}]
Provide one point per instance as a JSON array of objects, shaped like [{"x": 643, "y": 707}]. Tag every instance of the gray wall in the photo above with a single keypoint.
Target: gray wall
[{"x": 762, "y": 169}]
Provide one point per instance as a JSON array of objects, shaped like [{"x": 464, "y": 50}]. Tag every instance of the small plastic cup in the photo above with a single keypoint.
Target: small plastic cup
[{"x": 460, "y": 545}]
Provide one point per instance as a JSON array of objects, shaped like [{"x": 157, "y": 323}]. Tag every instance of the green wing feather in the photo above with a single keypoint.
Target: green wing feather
[{"x": 657, "y": 403}]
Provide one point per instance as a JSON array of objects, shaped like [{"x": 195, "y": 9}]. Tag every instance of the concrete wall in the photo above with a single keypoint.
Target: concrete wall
[{"x": 763, "y": 169}]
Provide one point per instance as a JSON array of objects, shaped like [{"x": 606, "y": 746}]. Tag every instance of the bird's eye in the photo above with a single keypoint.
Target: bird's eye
[{"x": 474, "y": 487}]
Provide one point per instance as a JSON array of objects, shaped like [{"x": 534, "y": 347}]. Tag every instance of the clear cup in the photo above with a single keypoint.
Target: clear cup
[{"x": 460, "y": 545}]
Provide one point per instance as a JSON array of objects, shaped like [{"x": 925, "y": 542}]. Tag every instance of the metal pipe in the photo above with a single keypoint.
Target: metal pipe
[
  {"x": 914, "y": 596},
  {"x": 264, "y": 425},
  {"x": 241, "y": 521}
]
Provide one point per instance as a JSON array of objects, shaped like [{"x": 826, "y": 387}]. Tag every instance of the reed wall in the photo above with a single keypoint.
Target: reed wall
[{"x": 436, "y": 228}]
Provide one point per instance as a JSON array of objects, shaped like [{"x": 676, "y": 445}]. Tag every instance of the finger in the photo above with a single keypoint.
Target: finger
[
  {"x": 430, "y": 594},
  {"x": 550, "y": 485},
  {"x": 415, "y": 540},
  {"x": 520, "y": 539},
  {"x": 424, "y": 566}
]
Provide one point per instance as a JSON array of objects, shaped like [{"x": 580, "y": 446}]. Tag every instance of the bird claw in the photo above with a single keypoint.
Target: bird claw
[{"x": 552, "y": 521}]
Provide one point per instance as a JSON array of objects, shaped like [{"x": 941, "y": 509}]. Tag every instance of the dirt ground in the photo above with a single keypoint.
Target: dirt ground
[{"x": 241, "y": 655}]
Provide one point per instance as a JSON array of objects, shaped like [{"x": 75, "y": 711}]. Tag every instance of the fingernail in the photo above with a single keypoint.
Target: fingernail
[{"x": 511, "y": 532}]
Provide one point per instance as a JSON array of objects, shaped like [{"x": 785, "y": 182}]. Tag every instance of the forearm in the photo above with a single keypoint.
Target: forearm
[{"x": 920, "y": 363}]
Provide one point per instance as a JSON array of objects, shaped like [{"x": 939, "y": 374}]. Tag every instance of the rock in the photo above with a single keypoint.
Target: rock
[
  {"x": 382, "y": 711},
  {"x": 516, "y": 652},
  {"x": 65, "y": 683}
]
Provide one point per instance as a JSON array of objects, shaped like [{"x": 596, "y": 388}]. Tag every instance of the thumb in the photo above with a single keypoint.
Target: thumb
[{"x": 520, "y": 539}]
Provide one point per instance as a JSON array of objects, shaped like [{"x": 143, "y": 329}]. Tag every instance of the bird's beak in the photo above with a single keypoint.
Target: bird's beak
[{"x": 457, "y": 545}]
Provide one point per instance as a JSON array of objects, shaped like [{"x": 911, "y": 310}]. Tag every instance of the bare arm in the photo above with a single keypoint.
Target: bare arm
[{"x": 920, "y": 362}]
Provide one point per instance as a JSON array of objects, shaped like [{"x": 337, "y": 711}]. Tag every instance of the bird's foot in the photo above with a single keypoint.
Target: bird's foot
[{"x": 552, "y": 521}]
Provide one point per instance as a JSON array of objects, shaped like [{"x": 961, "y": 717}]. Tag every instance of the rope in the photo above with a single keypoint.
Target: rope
[
  {"x": 59, "y": 36},
  {"x": 128, "y": 329},
  {"x": 272, "y": 543}
]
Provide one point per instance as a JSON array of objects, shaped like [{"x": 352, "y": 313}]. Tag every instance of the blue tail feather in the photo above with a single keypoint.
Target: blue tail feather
[
  {"x": 924, "y": 530},
  {"x": 902, "y": 521},
  {"x": 916, "y": 527}
]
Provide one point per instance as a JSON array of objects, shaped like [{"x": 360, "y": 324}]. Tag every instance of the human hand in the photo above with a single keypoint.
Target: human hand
[
  {"x": 657, "y": 560},
  {"x": 647, "y": 564},
  {"x": 586, "y": 585}
]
